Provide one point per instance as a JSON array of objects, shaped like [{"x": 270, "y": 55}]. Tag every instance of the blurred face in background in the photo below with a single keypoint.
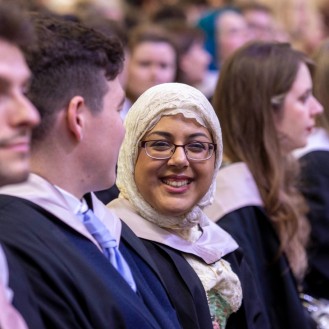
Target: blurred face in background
[
  {"x": 149, "y": 64},
  {"x": 232, "y": 33},
  {"x": 194, "y": 64},
  {"x": 260, "y": 24}
]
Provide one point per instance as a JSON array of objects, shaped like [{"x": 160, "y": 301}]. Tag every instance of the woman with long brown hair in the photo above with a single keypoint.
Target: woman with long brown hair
[{"x": 266, "y": 108}]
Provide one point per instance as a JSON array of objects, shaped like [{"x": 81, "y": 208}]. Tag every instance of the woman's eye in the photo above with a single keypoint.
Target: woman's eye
[
  {"x": 196, "y": 147},
  {"x": 305, "y": 97},
  {"x": 160, "y": 144}
]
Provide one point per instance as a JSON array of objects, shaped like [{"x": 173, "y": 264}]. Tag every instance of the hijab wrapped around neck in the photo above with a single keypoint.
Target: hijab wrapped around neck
[{"x": 163, "y": 100}]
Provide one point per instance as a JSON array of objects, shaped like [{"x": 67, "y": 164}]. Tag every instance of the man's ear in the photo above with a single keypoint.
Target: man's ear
[{"x": 75, "y": 116}]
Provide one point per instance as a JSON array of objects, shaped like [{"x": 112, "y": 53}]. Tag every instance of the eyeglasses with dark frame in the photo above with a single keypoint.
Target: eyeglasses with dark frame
[{"x": 194, "y": 151}]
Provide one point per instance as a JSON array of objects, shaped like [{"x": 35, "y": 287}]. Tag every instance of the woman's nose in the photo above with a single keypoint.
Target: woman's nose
[
  {"x": 179, "y": 157},
  {"x": 317, "y": 107}
]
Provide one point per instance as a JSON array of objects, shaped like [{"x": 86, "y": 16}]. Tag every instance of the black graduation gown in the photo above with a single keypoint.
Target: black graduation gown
[
  {"x": 75, "y": 285},
  {"x": 24, "y": 298},
  {"x": 315, "y": 187},
  {"x": 106, "y": 196},
  {"x": 252, "y": 230},
  {"x": 188, "y": 294}
]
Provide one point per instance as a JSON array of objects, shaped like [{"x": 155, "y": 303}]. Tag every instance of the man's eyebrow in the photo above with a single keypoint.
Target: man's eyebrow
[{"x": 5, "y": 82}]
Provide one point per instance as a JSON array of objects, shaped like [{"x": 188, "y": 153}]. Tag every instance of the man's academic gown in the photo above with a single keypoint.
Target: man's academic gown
[
  {"x": 23, "y": 297},
  {"x": 75, "y": 285}
]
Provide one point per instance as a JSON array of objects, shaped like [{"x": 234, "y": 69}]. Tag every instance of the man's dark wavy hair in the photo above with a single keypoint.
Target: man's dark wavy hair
[{"x": 70, "y": 60}]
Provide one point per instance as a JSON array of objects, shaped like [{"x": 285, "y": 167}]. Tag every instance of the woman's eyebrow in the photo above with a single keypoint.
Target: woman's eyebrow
[
  {"x": 160, "y": 133},
  {"x": 166, "y": 134}
]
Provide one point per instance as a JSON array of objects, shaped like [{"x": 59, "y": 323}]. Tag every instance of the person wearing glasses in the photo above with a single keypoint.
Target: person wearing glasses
[{"x": 167, "y": 166}]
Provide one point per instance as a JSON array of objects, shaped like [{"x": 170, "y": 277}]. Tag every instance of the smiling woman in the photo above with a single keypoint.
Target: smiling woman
[
  {"x": 166, "y": 175},
  {"x": 173, "y": 185}
]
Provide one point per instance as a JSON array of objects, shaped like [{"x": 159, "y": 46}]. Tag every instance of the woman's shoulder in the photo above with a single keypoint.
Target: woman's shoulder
[
  {"x": 317, "y": 141},
  {"x": 248, "y": 225},
  {"x": 235, "y": 189}
]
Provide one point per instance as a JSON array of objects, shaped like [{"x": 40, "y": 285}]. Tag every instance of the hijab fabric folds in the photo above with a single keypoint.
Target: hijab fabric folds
[
  {"x": 201, "y": 242},
  {"x": 163, "y": 100}
]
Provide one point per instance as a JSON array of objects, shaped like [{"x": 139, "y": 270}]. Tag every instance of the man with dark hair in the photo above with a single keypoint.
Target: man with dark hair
[
  {"x": 17, "y": 118},
  {"x": 80, "y": 277}
]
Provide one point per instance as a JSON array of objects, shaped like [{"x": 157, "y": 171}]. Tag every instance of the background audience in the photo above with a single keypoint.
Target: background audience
[{"x": 152, "y": 59}]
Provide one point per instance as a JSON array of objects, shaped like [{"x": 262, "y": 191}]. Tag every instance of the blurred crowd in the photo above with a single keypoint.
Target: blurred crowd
[{"x": 165, "y": 39}]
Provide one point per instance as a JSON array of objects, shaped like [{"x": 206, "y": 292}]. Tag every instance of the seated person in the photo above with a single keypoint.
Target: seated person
[
  {"x": 17, "y": 118},
  {"x": 166, "y": 174},
  {"x": 86, "y": 268},
  {"x": 314, "y": 158},
  {"x": 265, "y": 103}
]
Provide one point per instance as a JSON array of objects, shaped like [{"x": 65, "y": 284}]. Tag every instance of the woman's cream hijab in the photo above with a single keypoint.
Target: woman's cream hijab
[{"x": 156, "y": 102}]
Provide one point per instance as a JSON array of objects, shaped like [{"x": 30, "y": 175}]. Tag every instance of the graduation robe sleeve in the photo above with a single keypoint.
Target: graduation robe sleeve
[
  {"x": 188, "y": 294},
  {"x": 275, "y": 284},
  {"x": 315, "y": 187}
]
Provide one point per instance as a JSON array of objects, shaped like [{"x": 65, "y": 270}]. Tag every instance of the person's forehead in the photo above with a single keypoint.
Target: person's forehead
[
  {"x": 12, "y": 62},
  {"x": 258, "y": 16},
  {"x": 230, "y": 19},
  {"x": 150, "y": 44},
  {"x": 154, "y": 51}
]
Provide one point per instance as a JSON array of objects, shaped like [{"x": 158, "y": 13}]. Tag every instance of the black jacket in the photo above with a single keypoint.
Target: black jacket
[
  {"x": 188, "y": 294},
  {"x": 74, "y": 284},
  {"x": 275, "y": 283}
]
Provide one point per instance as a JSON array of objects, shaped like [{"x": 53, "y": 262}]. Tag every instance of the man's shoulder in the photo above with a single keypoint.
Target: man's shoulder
[
  {"x": 17, "y": 206},
  {"x": 7, "y": 200},
  {"x": 14, "y": 210},
  {"x": 22, "y": 222}
]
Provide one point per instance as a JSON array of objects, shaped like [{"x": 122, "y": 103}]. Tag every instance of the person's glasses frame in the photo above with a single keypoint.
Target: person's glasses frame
[{"x": 170, "y": 149}]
